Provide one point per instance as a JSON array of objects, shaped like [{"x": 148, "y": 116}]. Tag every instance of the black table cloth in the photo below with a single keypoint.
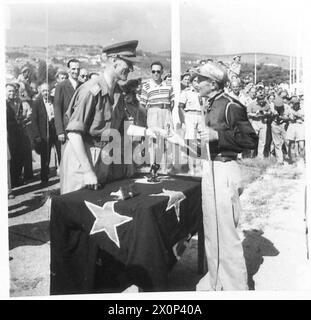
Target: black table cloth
[{"x": 137, "y": 234}]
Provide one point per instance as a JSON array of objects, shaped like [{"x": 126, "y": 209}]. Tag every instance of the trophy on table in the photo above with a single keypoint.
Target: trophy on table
[
  {"x": 154, "y": 173},
  {"x": 155, "y": 166}
]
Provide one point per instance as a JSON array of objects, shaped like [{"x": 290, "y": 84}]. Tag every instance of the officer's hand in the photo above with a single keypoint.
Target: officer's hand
[
  {"x": 208, "y": 134},
  {"x": 62, "y": 138},
  {"x": 178, "y": 126},
  {"x": 90, "y": 180},
  {"x": 153, "y": 132}
]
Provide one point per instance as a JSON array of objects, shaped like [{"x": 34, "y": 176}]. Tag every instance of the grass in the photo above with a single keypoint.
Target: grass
[{"x": 253, "y": 169}]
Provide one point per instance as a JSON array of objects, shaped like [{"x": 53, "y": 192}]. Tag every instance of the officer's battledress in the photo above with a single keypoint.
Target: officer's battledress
[{"x": 92, "y": 110}]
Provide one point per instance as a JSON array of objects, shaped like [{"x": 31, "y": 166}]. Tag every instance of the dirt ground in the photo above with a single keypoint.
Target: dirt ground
[{"x": 272, "y": 229}]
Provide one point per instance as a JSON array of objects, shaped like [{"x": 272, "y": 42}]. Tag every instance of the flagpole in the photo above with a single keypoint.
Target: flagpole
[
  {"x": 175, "y": 55},
  {"x": 290, "y": 73},
  {"x": 255, "y": 73},
  {"x": 298, "y": 59}
]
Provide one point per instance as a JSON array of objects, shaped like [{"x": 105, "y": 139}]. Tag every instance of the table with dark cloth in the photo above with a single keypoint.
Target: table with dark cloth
[{"x": 143, "y": 247}]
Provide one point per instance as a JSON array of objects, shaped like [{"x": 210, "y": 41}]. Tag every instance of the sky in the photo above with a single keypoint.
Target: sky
[
  {"x": 82, "y": 22},
  {"x": 207, "y": 27}
]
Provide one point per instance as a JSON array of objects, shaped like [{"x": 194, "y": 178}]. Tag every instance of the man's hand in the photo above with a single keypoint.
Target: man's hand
[
  {"x": 208, "y": 134},
  {"x": 62, "y": 138},
  {"x": 155, "y": 131},
  {"x": 90, "y": 180}
]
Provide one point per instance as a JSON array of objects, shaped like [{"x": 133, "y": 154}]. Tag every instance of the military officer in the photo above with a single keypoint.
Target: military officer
[
  {"x": 89, "y": 114},
  {"x": 227, "y": 132},
  {"x": 96, "y": 107}
]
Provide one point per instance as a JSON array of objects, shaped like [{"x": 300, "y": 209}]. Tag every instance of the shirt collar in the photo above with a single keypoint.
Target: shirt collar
[
  {"x": 158, "y": 84},
  {"x": 214, "y": 96},
  {"x": 73, "y": 82}
]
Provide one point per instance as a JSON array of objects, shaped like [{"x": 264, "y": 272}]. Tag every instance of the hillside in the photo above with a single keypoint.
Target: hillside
[
  {"x": 58, "y": 55},
  {"x": 265, "y": 58}
]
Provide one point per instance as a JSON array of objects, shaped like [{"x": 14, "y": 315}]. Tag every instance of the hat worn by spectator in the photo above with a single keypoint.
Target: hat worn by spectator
[
  {"x": 213, "y": 71},
  {"x": 123, "y": 50}
]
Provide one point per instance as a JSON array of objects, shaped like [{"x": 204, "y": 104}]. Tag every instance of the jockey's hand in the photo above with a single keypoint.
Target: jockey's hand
[
  {"x": 155, "y": 131},
  {"x": 208, "y": 134}
]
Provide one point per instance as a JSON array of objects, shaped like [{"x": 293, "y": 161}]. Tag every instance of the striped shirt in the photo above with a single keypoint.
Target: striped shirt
[{"x": 153, "y": 94}]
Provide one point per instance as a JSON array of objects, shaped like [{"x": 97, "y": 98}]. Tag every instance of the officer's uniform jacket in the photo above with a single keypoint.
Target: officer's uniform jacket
[
  {"x": 229, "y": 118},
  {"x": 92, "y": 111}
]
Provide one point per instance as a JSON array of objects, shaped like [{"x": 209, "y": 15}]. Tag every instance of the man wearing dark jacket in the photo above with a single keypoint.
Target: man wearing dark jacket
[
  {"x": 15, "y": 136},
  {"x": 63, "y": 94},
  {"x": 43, "y": 128},
  {"x": 227, "y": 132}
]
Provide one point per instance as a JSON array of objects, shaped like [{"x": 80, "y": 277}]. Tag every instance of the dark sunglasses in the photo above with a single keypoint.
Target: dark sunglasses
[
  {"x": 83, "y": 76},
  {"x": 156, "y": 71}
]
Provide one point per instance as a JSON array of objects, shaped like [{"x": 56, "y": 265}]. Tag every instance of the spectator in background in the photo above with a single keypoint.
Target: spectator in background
[
  {"x": 236, "y": 91},
  {"x": 83, "y": 75},
  {"x": 251, "y": 97},
  {"x": 279, "y": 120},
  {"x": 10, "y": 193},
  {"x": 132, "y": 106},
  {"x": 185, "y": 81},
  {"x": 25, "y": 84},
  {"x": 270, "y": 99},
  {"x": 15, "y": 135},
  {"x": 35, "y": 91},
  {"x": 235, "y": 67},
  {"x": 168, "y": 79},
  {"x": 60, "y": 76},
  {"x": 63, "y": 94},
  {"x": 258, "y": 113},
  {"x": 26, "y": 107},
  {"x": 190, "y": 114},
  {"x": 44, "y": 133},
  {"x": 158, "y": 99},
  {"x": 295, "y": 134}
]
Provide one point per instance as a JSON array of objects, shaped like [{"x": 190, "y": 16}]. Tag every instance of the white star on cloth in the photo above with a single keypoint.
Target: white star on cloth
[
  {"x": 175, "y": 198},
  {"x": 106, "y": 219}
]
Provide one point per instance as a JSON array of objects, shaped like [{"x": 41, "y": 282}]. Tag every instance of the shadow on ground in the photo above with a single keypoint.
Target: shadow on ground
[
  {"x": 29, "y": 234},
  {"x": 34, "y": 203},
  {"x": 33, "y": 187},
  {"x": 256, "y": 247},
  {"x": 185, "y": 276}
]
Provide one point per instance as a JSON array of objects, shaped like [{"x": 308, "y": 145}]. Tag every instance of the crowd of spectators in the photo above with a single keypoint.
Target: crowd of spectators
[{"x": 36, "y": 124}]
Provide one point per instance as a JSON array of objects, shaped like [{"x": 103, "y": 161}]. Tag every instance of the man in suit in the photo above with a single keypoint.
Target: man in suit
[
  {"x": 15, "y": 135},
  {"x": 63, "y": 94},
  {"x": 44, "y": 133}
]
